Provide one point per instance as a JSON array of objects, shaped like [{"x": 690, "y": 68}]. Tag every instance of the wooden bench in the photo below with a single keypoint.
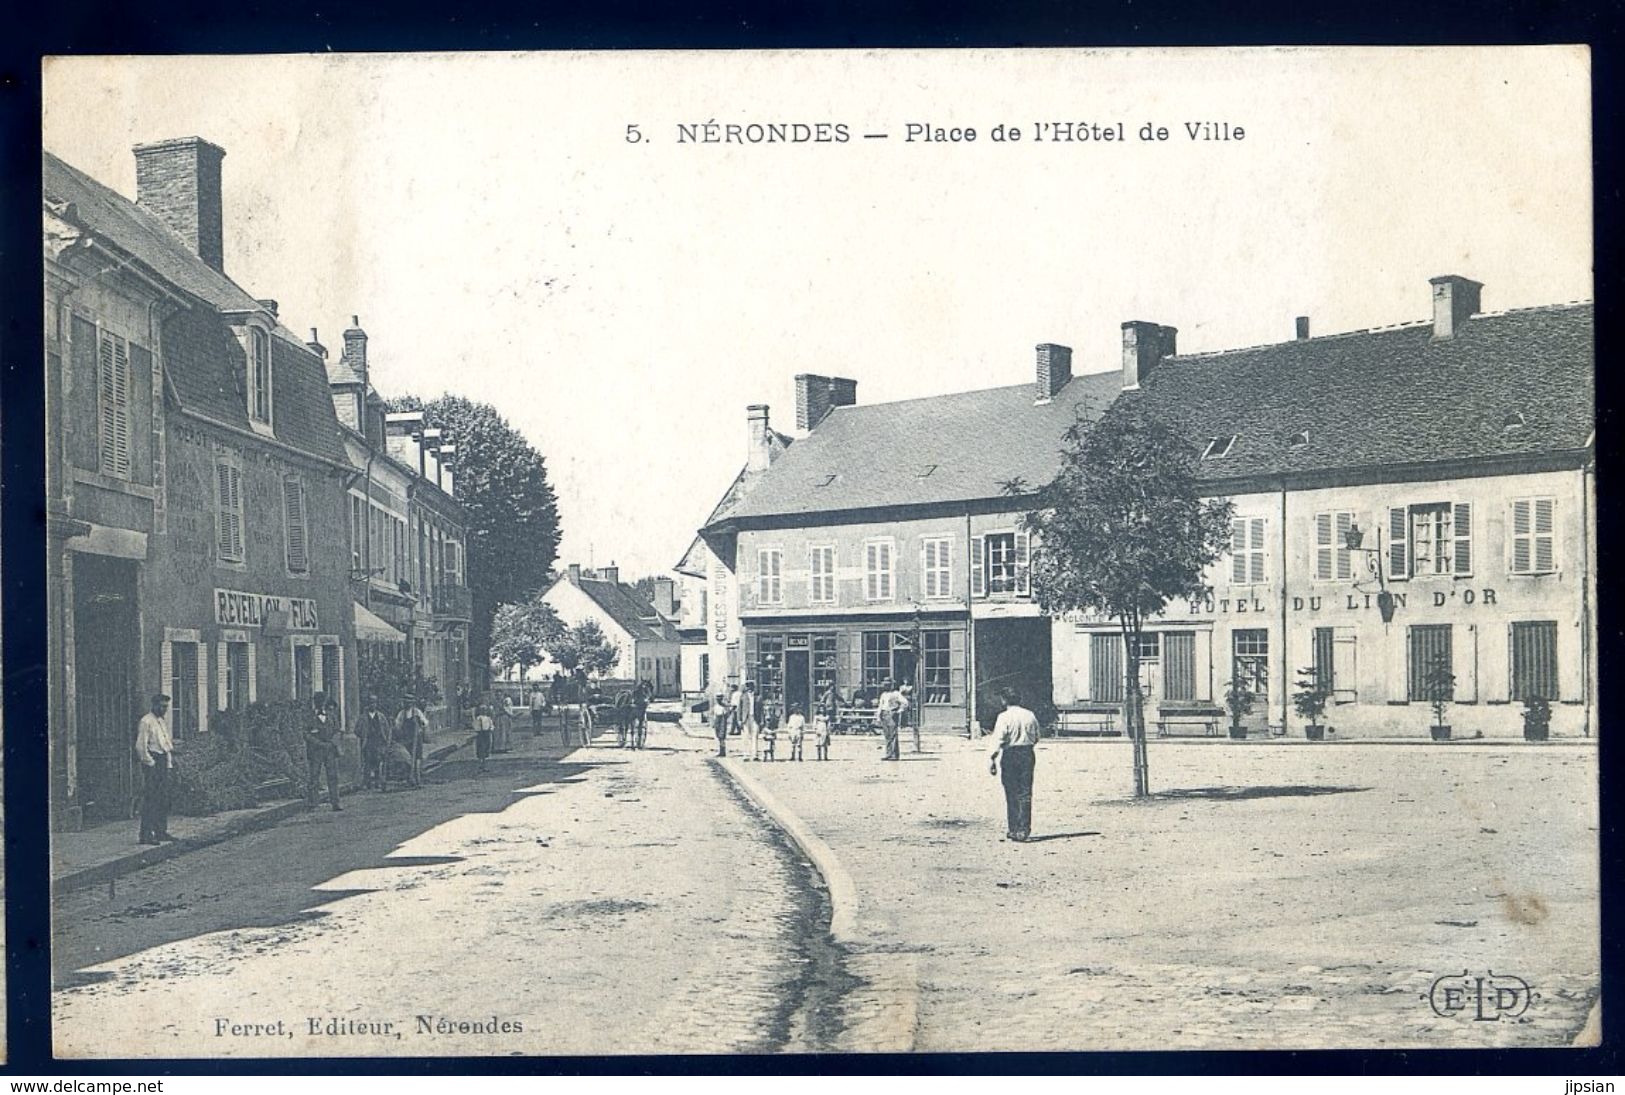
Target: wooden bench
[{"x": 1187, "y": 727}]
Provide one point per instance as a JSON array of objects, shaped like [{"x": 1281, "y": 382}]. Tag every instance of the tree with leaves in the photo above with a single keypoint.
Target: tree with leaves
[
  {"x": 1121, "y": 531},
  {"x": 586, "y": 646},
  {"x": 513, "y": 515},
  {"x": 521, "y": 634}
]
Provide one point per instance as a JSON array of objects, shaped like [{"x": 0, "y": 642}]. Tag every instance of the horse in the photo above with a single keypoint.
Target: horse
[
  {"x": 640, "y": 714},
  {"x": 625, "y": 720}
]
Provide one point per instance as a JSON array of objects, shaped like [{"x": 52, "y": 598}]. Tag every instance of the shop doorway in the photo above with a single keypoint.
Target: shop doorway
[
  {"x": 797, "y": 681},
  {"x": 1013, "y": 654},
  {"x": 107, "y": 703}
]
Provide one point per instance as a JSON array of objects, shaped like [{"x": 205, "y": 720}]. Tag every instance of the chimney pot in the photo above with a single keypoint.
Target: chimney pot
[
  {"x": 1054, "y": 370},
  {"x": 611, "y": 574},
  {"x": 316, "y": 346},
  {"x": 760, "y": 453},
  {"x": 178, "y": 181},
  {"x": 574, "y": 573},
  {"x": 355, "y": 347},
  {"x": 1144, "y": 346},
  {"x": 1302, "y": 328},
  {"x": 1455, "y": 299}
]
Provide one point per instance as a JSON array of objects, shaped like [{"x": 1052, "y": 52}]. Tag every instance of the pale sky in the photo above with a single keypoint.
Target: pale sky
[{"x": 621, "y": 304}]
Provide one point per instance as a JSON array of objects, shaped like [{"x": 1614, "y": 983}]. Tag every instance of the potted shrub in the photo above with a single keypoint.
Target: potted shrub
[
  {"x": 1439, "y": 685},
  {"x": 1537, "y": 718},
  {"x": 1238, "y": 701},
  {"x": 1310, "y": 701}
]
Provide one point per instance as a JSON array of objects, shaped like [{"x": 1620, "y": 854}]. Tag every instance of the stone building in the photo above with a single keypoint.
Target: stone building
[
  {"x": 648, "y": 644},
  {"x": 193, "y": 453}
]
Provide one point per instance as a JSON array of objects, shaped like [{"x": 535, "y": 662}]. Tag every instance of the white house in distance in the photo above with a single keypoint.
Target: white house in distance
[{"x": 649, "y": 644}]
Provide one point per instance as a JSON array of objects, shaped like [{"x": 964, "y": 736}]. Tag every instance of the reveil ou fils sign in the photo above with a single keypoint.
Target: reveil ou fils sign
[{"x": 234, "y": 608}]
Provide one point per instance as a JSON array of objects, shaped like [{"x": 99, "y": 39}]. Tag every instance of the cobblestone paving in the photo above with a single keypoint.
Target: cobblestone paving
[
  {"x": 1270, "y": 895},
  {"x": 605, "y": 902}
]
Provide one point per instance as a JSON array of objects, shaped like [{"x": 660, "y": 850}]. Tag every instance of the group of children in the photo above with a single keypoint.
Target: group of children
[{"x": 761, "y": 734}]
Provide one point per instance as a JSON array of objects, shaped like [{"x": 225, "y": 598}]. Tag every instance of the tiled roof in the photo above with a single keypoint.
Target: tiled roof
[
  {"x": 1387, "y": 397},
  {"x": 940, "y": 449},
  {"x": 208, "y": 380},
  {"x": 632, "y": 613}
]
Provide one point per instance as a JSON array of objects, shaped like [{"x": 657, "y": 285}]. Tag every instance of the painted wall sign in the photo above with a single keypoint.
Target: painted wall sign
[{"x": 234, "y": 608}]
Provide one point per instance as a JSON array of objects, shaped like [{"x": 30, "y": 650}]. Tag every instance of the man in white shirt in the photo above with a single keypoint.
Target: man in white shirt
[
  {"x": 1014, "y": 736},
  {"x": 748, "y": 711},
  {"x": 887, "y": 709},
  {"x": 153, "y": 748}
]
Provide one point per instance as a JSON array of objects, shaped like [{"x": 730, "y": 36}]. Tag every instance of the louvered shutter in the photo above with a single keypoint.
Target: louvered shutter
[
  {"x": 1399, "y": 564},
  {"x": 1106, "y": 668},
  {"x": 1545, "y": 536},
  {"x": 1462, "y": 527},
  {"x": 978, "y": 567},
  {"x": 222, "y": 693},
  {"x": 113, "y": 391},
  {"x": 885, "y": 571},
  {"x": 1256, "y": 562},
  {"x": 1522, "y": 527},
  {"x": 203, "y": 688},
  {"x": 1024, "y": 576},
  {"x": 1340, "y": 551},
  {"x": 252, "y": 672},
  {"x": 166, "y": 671},
  {"x": 293, "y": 504},
  {"x": 1238, "y": 551},
  {"x": 928, "y": 572},
  {"x": 1179, "y": 665},
  {"x": 317, "y": 683},
  {"x": 1323, "y": 547}
]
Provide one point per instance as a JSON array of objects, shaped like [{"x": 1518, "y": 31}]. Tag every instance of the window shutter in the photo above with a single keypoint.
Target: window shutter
[
  {"x": 203, "y": 688},
  {"x": 220, "y": 662},
  {"x": 166, "y": 670},
  {"x": 253, "y": 674},
  {"x": 1399, "y": 566},
  {"x": 885, "y": 571},
  {"x": 1345, "y": 679},
  {"x": 316, "y": 684},
  {"x": 1024, "y": 577},
  {"x": 870, "y": 581},
  {"x": 113, "y": 388},
  {"x": 978, "y": 567},
  {"x": 1323, "y": 547},
  {"x": 928, "y": 573},
  {"x": 1545, "y": 536},
  {"x": 293, "y": 503},
  {"x": 1345, "y": 522},
  {"x": 1462, "y": 526},
  {"x": 1256, "y": 567},
  {"x": 1522, "y": 527}
]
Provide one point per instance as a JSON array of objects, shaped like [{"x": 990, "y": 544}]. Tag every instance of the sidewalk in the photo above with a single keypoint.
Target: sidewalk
[
  {"x": 1261, "y": 898},
  {"x": 104, "y": 852}
]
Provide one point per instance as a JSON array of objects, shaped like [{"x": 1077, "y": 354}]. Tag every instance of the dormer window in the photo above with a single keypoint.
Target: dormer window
[
  {"x": 259, "y": 375},
  {"x": 1218, "y": 446},
  {"x": 925, "y": 470},
  {"x": 826, "y": 481},
  {"x": 1298, "y": 440},
  {"x": 1513, "y": 421}
]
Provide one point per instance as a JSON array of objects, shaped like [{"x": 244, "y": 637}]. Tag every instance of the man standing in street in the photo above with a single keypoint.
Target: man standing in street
[
  {"x": 887, "y": 709},
  {"x": 153, "y": 748},
  {"x": 321, "y": 752},
  {"x": 1014, "y": 736},
  {"x": 749, "y": 714},
  {"x": 719, "y": 723}
]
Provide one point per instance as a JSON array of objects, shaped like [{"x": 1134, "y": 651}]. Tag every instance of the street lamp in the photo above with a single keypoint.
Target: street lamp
[{"x": 1354, "y": 540}]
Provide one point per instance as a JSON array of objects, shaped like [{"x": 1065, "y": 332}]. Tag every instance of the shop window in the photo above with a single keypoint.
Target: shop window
[
  {"x": 1534, "y": 537},
  {"x": 1250, "y": 658},
  {"x": 236, "y": 676},
  {"x": 824, "y": 667},
  {"x": 1534, "y": 660},
  {"x": 770, "y": 668},
  {"x": 1429, "y": 645},
  {"x": 936, "y": 666},
  {"x": 877, "y": 659}
]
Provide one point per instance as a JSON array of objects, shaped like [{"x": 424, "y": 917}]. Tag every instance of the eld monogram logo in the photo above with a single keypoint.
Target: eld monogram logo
[{"x": 1485, "y": 999}]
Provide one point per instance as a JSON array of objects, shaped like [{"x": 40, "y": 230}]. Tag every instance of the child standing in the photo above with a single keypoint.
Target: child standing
[
  {"x": 484, "y": 726},
  {"x": 821, "y": 735},
  {"x": 795, "y": 726},
  {"x": 769, "y": 734}
]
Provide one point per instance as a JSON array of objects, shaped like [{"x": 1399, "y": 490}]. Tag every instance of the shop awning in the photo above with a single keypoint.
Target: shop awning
[{"x": 369, "y": 628}]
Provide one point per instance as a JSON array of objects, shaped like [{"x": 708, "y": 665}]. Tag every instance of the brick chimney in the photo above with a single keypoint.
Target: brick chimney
[
  {"x": 1455, "y": 298},
  {"x": 355, "y": 348},
  {"x": 817, "y": 395},
  {"x": 760, "y": 453},
  {"x": 1302, "y": 325},
  {"x": 1054, "y": 370},
  {"x": 178, "y": 181},
  {"x": 1144, "y": 345},
  {"x": 315, "y": 345},
  {"x": 403, "y": 432},
  {"x": 448, "y": 468},
  {"x": 610, "y": 574}
]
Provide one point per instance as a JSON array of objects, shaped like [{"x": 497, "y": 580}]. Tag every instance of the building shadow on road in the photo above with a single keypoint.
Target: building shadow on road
[
  {"x": 269, "y": 879},
  {"x": 1236, "y": 794}
]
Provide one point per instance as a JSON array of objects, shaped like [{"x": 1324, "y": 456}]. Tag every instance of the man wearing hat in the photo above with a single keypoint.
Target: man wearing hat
[
  {"x": 321, "y": 752},
  {"x": 153, "y": 748},
  {"x": 887, "y": 709}
]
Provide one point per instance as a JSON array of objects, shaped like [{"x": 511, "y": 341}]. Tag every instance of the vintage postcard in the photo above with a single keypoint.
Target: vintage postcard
[{"x": 856, "y": 551}]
